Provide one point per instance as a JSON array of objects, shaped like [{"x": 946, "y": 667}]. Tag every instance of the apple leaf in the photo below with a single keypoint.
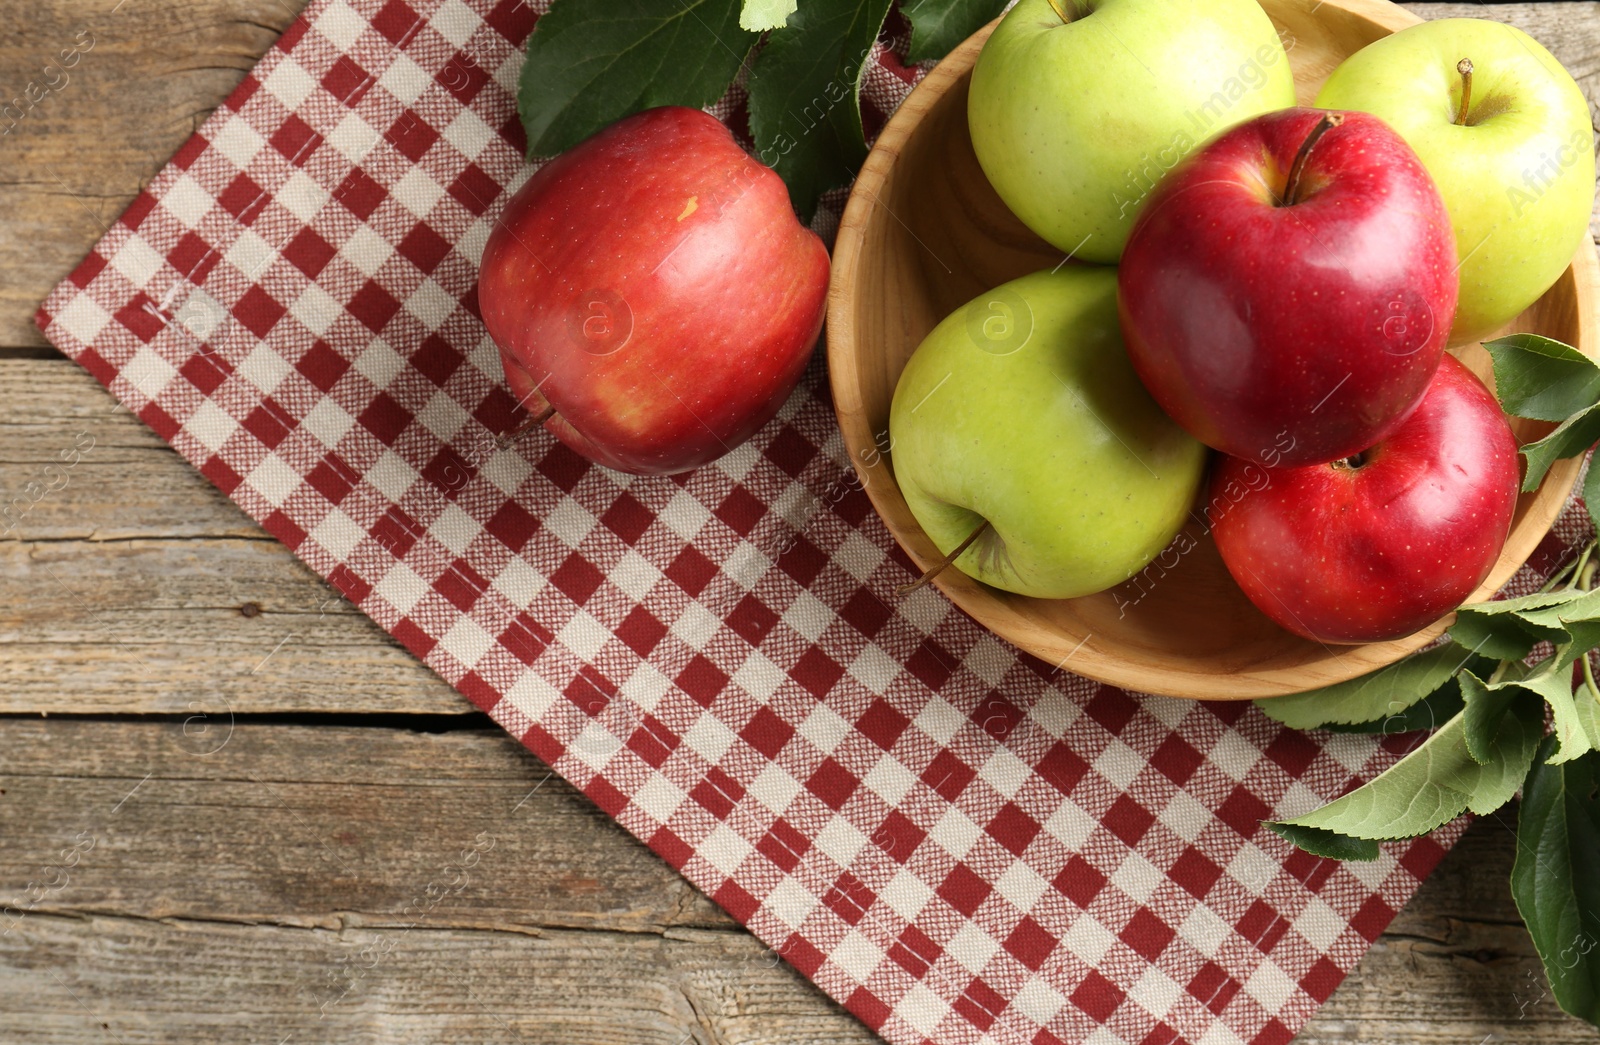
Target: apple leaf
[
  {"x": 1485, "y": 710},
  {"x": 1591, "y": 493},
  {"x": 1574, "y": 627},
  {"x": 1435, "y": 783},
  {"x": 1556, "y": 877},
  {"x": 1588, "y": 707},
  {"x": 589, "y": 65},
  {"x": 760, "y": 15},
  {"x": 1494, "y": 635},
  {"x": 1508, "y": 629},
  {"x": 1328, "y": 844},
  {"x": 805, "y": 91},
  {"x": 1572, "y": 437},
  {"x": 1372, "y": 697},
  {"x": 1552, "y": 681},
  {"x": 1543, "y": 379},
  {"x": 1439, "y": 706},
  {"x": 938, "y": 26}
]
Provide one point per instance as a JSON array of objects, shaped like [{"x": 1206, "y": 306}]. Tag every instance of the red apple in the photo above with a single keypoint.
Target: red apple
[
  {"x": 1388, "y": 541},
  {"x": 653, "y": 288},
  {"x": 1287, "y": 291}
]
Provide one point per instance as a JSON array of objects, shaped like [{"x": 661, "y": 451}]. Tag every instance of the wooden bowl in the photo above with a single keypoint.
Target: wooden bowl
[{"x": 924, "y": 233}]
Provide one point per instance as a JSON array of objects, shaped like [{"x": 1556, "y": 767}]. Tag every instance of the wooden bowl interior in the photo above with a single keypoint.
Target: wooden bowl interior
[{"x": 924, "y": 233}]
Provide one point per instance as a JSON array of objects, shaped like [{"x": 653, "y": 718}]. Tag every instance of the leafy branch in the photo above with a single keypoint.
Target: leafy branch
[
  {"x": 591, "y": 64},
  {"x": 1484, "y": 696}
]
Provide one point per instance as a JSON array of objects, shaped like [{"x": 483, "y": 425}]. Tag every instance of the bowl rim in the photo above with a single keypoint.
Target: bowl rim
[{"x": 1005, "y": 620}]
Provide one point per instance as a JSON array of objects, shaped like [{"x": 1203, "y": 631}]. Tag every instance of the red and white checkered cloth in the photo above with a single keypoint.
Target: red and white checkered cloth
[{"x": 957, "y": 841}]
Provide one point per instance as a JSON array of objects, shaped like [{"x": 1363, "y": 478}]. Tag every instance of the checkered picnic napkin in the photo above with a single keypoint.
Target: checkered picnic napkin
[{"x": 955, "y": 840}]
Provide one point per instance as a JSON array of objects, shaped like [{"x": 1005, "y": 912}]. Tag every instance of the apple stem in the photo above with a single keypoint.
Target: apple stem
[
  {"x": 944, "y": 563},
  {"x": 1067, "y": 17},
  {"x": 1291, "y": 190},
  {"x": 534, "y": 421},
  {"x": 1464, "y": 67}
]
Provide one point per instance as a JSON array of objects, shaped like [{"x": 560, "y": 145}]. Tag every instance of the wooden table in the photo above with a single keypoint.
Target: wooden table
[{"x": 232, "y": 788}]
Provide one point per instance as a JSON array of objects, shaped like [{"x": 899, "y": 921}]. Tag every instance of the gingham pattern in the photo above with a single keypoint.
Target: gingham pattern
[{"x": 956, "y": 841}]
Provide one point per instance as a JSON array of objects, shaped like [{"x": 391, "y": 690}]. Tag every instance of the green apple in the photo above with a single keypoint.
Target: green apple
[
  {"x": 1515, "y": 165},
  {"x": 1022, "y": 411},
  {"x": 1078, "y": 108}
]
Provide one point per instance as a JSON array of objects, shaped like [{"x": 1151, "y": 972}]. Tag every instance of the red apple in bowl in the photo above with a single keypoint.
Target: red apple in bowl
[
  {"x": 652, "y": 293},
  {"x": 1287, "y": 292},
  {"x": 1388, "y": 541}
]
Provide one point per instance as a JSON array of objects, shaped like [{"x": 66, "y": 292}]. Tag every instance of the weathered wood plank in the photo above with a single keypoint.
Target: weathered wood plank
[
  {"x": 208, "y": 818},
  {"x": 81, "y": 979},
  {"x": 354, "y": 885},
  {"x": 101, "y": 473},
  {"x": 129, "y": 583},
  {"x": 244, "y": 889},
  {"x": 155, "y": 70},
  {"x": 150, "y": 625}
]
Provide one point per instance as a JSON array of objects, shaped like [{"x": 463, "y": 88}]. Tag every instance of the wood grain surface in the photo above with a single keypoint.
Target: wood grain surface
[{"x": 233, "y": 810}]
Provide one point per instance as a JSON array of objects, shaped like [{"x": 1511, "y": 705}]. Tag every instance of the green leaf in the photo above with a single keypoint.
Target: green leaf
[
  {"x": 1485, "y": 710},
  {"x": 1508, "y": 629},
  {"x": 1500, "y": 636},
  {"x": 1435, "y": 783},
  {"x": 805, "y": 90},
  {"x": 1556, "y": 877},
  {"x": 1374, "y": 696},
  {"x": 1541, "y": 600},
  {"x": 1569, "y": 618},
  {"x": 1439, "y": 706},
  {"x": 1588, "y": 714},
  {"x": 1591, "y": 493},
  {"x": 1571, "y": 438},
  {"x": 1552, "y": 680},
  {"x": 590, "y": 64},
  {"x": 1542, "y": 379},
  {"x": 761, "y": 15},
  {"x": 1573, "y": 626},
  {"x": 1510, "y": 754},
  {"x": 938, "y": 26},
  {"x": 1329, "y": 844}
]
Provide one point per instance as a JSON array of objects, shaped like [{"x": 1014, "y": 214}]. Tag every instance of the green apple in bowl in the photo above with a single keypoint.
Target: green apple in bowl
[
  {"x": 1505, "y": 133},
  {"x": 1078, "y": 108},
  {"x": 1023, "y": 439}
]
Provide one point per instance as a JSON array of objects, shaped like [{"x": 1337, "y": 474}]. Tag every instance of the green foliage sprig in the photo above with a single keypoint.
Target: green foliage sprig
[
  {"x": 590, "y": 64},
  {"x": 1485, "y": 704}
]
